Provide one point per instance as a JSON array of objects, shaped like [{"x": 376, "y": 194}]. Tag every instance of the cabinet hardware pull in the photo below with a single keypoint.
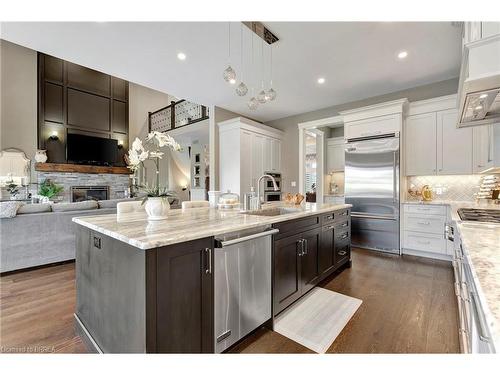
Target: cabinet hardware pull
[
  {"x": 329, "y": 217},
  {"x": 300, "y": 250},
  {"x": 304, "y": 247},
  {"x": 424, "y": 223},
  {"x": 342, "y": 253},
  {"x": 330, "y": 227},
  {"x": 345, "y": 235},
  {"x": 483, "y": 336},
  {"x": 345, "y": 225},
  {"x": 209, "y": 251}
]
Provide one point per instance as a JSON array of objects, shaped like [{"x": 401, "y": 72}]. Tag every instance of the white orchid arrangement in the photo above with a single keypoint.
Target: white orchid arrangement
[{"x": 138, "y": 154}]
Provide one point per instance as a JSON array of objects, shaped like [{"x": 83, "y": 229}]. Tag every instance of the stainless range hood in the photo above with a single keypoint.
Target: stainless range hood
[{"x": 479, "y": 88}]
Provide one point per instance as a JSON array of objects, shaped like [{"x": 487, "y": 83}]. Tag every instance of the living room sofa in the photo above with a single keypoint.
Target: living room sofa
[{"x": 44, "y": 233}]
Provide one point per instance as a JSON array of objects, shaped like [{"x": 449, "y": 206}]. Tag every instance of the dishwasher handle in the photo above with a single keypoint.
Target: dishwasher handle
[{"x": 220, "y": 244}]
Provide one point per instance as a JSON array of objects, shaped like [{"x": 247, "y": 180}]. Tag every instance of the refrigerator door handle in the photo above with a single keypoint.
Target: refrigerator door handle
[
  {"x": 395, "y": 179},
  {"x": 365, "y": 216}
]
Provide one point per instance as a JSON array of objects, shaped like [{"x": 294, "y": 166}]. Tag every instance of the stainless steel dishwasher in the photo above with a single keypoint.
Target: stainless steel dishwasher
[{"x": 242, "y": 284}]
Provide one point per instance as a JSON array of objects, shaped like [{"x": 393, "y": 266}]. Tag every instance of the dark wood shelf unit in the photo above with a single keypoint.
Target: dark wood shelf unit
[{"x": 79, "y": 168}]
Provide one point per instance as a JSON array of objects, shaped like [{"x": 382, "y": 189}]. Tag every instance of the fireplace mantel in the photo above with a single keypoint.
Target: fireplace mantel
[{"x": 78, "y": 168}]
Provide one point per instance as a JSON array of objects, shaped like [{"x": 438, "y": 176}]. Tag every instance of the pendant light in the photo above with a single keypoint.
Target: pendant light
[
  {"x": 242, "y": 89},
  {"x": 229, "y": 73},
  {"x": 271, "y": 94}
]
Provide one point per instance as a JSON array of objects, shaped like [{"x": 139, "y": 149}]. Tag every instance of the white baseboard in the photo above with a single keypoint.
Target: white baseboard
[{"x": 426, "y": 254}]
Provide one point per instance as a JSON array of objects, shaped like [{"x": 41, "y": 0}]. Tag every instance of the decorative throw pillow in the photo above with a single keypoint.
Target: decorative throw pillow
[{"x": 9, "y": 209}]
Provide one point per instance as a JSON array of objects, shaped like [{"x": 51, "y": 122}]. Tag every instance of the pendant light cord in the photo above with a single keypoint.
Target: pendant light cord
[
  {"x": 262, "y": 62},
  {"x": 229, "y": 41},
  {"x": 271, "y": 53},
  {"x": 241, "y": 42}
]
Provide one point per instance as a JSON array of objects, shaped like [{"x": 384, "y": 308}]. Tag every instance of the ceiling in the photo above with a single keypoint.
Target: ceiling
[{"x": 357, "y": 59}]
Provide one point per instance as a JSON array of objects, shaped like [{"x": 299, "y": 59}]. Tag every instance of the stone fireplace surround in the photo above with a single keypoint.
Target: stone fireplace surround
[{"x": 118, "y": 183}]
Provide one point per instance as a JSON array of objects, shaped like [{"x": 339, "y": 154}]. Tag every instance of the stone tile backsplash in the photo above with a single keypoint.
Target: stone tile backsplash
[
  {"x": 118, "y": 183},
  {"x": 456, "y": 188}
]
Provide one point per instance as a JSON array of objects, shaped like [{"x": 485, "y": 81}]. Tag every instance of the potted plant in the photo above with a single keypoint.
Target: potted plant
[
  {"x": 48, "y": 189},
  {"x": 12, "y": 188},
  {"x": 156, "y": 199}
]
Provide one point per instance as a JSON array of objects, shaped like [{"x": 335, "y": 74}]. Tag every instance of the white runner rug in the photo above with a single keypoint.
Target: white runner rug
[{"x": 316, "y": 320}]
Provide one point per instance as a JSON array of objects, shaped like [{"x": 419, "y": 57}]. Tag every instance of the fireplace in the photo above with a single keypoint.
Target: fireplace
[{"x": 85, "y": 193}]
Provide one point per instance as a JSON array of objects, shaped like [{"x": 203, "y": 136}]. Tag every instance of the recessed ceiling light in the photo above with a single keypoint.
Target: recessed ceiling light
[
  {"x": 321, "y": 80},
  {"x": 402, "y": 54},
  {"x": 232, "y": 81},
  {"x": 181, "y": 56},
  {"x": 483, "y": 96}
]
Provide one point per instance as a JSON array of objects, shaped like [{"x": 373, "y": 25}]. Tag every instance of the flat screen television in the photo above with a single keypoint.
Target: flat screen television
[{"x": 83, "y": 149}]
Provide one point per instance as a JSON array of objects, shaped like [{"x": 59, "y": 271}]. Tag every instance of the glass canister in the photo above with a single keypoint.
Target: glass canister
[{"x": 229, "y": 201}]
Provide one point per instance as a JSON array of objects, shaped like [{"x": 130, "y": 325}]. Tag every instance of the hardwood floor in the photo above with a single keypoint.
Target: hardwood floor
[
  {"x": 36, "y": 311},
  {"x": 408, "y": 306}
]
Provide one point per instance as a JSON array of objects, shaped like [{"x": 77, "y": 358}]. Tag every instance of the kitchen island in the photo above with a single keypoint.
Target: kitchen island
[{"x": 148, "y": 287}]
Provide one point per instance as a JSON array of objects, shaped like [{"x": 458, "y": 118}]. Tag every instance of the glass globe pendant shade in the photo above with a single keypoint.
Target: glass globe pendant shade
[
  {"x": 253, "y": 104},
  {"x": 230, "y": 75},
  {"x": 242, "y": 89},
  {"x": 262, "y": 97},
  {"x": 271, "y": 94}
]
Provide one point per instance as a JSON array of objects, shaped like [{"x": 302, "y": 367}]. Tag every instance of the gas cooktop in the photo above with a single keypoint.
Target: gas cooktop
[{"x": 474, "y": 214}]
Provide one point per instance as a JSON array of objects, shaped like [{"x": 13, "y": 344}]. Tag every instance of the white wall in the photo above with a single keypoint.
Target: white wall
[
  {"x": 290, "y": 148},
  {"x": 141, "y": 101},
  {"x": 18, "y": 98}
]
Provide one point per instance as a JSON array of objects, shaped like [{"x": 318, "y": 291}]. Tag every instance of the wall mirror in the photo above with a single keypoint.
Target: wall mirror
[{"x": 14, "y": 166}]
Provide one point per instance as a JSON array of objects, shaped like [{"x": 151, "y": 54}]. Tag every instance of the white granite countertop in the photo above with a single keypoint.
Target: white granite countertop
[{"x": 187, "y": 225}]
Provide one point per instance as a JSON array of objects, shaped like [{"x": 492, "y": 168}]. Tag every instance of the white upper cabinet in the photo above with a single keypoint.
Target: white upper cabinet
[
  {"x": 247, "y": 149},
  {"x": 420, "y": 144},
  {"x": 433, "y": 143},
  {"x": 483, "y": 147},
  {"x": 474, "y": 31},
  {"x": 257, "y": 157},
  {"x": 268, "y": 154},
  {"x": 335, "y": 155},
  {"x": 374, "y": 120},
  {"x": 276, "y": 155},
  {"x": 454, "y": 145}
]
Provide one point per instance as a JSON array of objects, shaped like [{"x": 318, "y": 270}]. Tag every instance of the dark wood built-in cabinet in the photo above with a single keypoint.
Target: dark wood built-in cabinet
[
  {"x": 76, "y": 99},
  {"x": 156, "y": 301},
  {"x": 161, "y": 300},
  {"x": 183, "y": 317},
  {"x": 305, "y": 252}
]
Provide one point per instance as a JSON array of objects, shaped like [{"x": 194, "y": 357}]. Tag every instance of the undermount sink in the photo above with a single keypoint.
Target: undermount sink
[{"x": 275, "y": 211}]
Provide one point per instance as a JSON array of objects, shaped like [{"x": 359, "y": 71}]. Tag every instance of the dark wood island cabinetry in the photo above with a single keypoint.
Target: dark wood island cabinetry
[
  {"x": 307, "y": 251},
  {"x": 137, "y": 292}
]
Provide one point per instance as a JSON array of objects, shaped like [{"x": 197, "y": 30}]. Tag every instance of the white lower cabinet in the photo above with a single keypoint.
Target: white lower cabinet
[
  {"x": 474, "y": 333},
  {"x": 423, "y": 230}
]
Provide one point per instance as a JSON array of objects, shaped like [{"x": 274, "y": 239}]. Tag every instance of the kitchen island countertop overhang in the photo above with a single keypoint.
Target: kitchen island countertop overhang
[{"x": 186, "y": 225}]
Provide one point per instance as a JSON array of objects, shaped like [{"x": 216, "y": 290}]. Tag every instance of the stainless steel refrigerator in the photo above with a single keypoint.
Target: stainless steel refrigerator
[{"x": 372, "y": 187}]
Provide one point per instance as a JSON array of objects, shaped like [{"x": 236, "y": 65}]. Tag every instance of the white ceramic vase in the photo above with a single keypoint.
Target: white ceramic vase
[
  {"x": 157, "y": 208},
  {"x": 41, "y": 156}
]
